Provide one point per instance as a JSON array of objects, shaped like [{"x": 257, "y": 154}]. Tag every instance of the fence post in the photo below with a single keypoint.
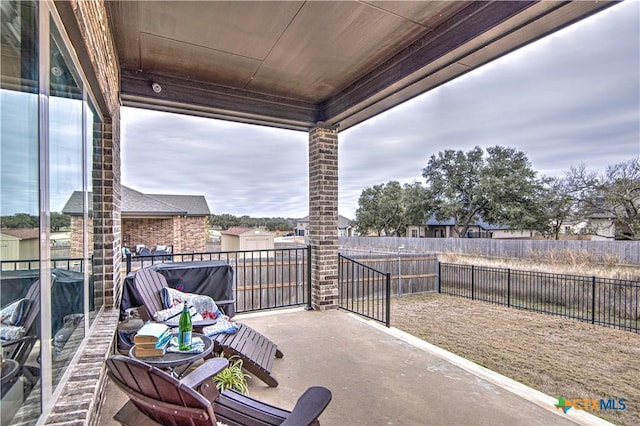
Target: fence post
[
  {"x": 309, "y": 307},
  {"x": 509, "y": 287},
  {"x": 593, "y": 299},
  {"x": 354, "y": 288},
  {"x": 472, "y": 283},
  {"x": 438, "y": 277},
  {"x": 399, "y": 275},
  {"x": 128, "y": 263},
  {"x": 388, "y": 307}
]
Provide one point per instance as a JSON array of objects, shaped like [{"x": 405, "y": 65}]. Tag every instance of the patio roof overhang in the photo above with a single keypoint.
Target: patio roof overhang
[{"x": 295, "y": 64}]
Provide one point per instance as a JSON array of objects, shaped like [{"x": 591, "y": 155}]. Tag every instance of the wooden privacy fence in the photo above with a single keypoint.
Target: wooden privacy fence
[
  {"x": 622, "y": 252},
  {"x": 270, "y": 278},
  {"x": 410, "y": 273}
]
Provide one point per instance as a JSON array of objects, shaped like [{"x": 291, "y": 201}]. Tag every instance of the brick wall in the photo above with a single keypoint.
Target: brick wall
[
  {"x": 150, "y": 232},
  {"x": 323, "y": 217},
  {"x": 77, "y": 229},
  {"x": 193, "y": 234},
  {"x": 107, "y": 206},
  {"x": 185, "y": 234},
  {"x": 83, "y": 395},
  {"x": 87, "y": 25}
]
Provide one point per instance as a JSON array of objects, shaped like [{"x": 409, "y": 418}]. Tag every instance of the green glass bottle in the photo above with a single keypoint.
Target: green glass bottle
[{"x": 185, "y": 328}]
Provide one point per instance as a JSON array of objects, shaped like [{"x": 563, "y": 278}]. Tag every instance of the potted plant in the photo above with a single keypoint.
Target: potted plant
[{"x": 232, "y": 377}]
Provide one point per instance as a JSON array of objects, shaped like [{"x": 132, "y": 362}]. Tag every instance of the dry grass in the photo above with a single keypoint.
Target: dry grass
[{"x": 555, "y": 355}]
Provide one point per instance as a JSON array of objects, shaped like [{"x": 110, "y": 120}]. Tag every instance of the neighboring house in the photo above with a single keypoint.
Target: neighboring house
[
  {"x": 151, "y": 221},
  {"x": 344, "y": 227},
  {"x": 215, "y": 235},
  {"x": 574, "y": 230},
  {"x": 239, "y": 238},
  {"x": 610, "y": 221},
  {"x": 434, "y": 228},
  {"x": 19, "y": 243},
  {"x": 603, "y": 227}
]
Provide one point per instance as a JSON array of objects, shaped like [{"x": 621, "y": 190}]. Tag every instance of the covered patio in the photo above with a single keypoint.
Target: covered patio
[
  {"x": 317, "y": 67},
  {"x": 381, "y": 376}
]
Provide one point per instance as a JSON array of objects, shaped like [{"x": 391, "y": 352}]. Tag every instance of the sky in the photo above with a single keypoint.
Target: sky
[{"x": 570, "y": 99}]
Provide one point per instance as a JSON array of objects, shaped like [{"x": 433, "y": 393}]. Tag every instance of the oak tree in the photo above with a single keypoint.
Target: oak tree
[{"x": 500, "y": 187}]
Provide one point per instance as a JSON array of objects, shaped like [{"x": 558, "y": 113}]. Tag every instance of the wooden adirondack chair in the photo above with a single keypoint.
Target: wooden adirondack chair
[
  {"x": 256, "y": 351},
  {"x": 157, "y": 398}
]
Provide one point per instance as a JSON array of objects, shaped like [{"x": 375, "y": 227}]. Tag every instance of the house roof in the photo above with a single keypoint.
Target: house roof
[
  {"x": 136, "y": 203},
  {"x": 479, "y": 223},
  {"x": 239, "y": 230},
  {"x": 236, "y": 230},
  {"x": 343, "y": 222},
  {"x": 21, "y": 233},
  {"x": 293, "y": 64},
  {"x": 601, "y": 215},
  {"x": 194, "y": 205}
]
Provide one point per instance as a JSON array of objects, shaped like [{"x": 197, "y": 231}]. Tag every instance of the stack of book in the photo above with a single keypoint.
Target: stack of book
[{"x": 152, "y": 340}]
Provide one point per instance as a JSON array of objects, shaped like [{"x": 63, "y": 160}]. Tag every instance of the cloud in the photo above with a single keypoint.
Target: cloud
[
  {"x": 241, "y": 169},
  {"x": 570, "y": 98}
]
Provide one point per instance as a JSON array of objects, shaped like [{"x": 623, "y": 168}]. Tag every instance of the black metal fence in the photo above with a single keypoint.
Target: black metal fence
[
  {"x": 364, "y": 290},
  {"x": 76, "y": 264},
  {"x": 620, "y": 252},
  {"x": 262, "y": 279},
  {"x": 609, "y": 302},
  {"x": 411, "y": 273}
]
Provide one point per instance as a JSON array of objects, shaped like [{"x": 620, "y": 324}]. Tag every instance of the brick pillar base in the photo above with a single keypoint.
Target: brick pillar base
[{"x": 323, "y": 217}]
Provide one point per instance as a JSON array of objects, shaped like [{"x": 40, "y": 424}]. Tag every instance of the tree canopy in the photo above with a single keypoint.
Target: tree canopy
[
  {"x": 558, "y": 205},
  {"x": 381, "y": 209},
  {"x": 613, "y": 195},
  {"x": 500, "y": 188},
  {"x": 59, "y": 221},
  {"x": 226, "y": 221}
]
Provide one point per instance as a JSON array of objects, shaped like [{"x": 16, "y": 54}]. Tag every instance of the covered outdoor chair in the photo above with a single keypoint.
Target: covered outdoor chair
[
  {"x": 19, "y": 348},
  {"x": 157, "y": 398},
  {"x": 256, "y": 351}
]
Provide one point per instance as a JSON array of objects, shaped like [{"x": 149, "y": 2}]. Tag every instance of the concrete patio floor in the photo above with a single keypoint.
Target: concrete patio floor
[{"x": 381, "y": 376}]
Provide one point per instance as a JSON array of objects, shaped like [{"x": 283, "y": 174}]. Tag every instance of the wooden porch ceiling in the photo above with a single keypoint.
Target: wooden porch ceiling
[{"x": 293, "y": 64}]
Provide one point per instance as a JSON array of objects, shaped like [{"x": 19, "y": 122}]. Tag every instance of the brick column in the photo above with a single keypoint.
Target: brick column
[
  {"x": 323, "y": 217},
  {"x": 107, "y": 208}
]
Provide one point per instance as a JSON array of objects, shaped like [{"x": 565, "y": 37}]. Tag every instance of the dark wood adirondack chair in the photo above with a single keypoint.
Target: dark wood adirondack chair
[
  {"x": 157, "y": 398},
  {"x": 256, "y": 351},
  {"x": 20, "y": 349}
]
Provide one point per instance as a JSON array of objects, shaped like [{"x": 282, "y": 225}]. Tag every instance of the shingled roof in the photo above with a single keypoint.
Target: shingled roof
[
  {"x": 21, "y": 233},
  {"x": 343, "y": 222},
  {"x": 236, "y": 230},
  {"x": 479, "y": 223},
  {"x": 136, "y": 203},
  {"x": 194, "y": 205}
]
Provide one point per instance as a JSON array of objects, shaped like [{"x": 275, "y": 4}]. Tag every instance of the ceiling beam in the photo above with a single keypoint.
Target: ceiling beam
[{"x": 215, "y": 101}]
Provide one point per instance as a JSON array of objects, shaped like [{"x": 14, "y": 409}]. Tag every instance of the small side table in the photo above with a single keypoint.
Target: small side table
[{"x": 172, "y": 360}]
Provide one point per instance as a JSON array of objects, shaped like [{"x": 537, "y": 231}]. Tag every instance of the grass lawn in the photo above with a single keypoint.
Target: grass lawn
[{"x": 555, "y": 355}]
